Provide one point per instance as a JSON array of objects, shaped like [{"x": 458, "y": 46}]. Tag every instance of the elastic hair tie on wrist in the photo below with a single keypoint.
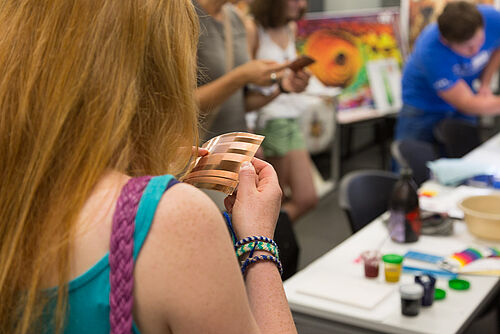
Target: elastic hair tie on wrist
[
  {"x": 255, "y": 238},
  {"x": 259, "y": 258}
]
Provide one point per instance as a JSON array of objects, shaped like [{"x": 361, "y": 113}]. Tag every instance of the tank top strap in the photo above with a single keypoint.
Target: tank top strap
[
  {"x": 263, "y": 35},
  {"x": 290, "y": 33},
  {"x": 147, "y": 208},
  {"x": 291, "y": 50}
]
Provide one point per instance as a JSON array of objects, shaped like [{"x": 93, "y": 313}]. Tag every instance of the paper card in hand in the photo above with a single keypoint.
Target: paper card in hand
[
  {"x": 219, "y": 169},
  {"x": 300, "y": 63}
]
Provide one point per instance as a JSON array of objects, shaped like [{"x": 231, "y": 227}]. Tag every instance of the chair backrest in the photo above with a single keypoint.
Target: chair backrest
[
  {"x": 364, "y": 195},
  {"x": 414, "y": 154},
  {"x": 458, "y": 137}
]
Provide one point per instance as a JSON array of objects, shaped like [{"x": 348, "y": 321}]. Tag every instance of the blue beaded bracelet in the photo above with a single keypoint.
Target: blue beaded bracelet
[
  {"x": 255, "y": 238},
  {"x": 256, "y": 259}
]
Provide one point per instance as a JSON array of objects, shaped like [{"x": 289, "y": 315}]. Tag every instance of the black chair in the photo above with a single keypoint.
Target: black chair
[
  {"x": 364, "y": 195},
  {"x": 414, "y": 154},
  {"x": 458, "y": 137}
]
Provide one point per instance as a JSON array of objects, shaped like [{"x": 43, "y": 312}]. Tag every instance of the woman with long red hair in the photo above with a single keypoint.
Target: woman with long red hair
[{"x": 93, "y": 95}]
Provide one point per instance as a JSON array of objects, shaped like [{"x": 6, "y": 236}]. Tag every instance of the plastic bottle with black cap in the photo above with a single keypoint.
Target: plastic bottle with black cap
[{"x": 404, "y": 222}]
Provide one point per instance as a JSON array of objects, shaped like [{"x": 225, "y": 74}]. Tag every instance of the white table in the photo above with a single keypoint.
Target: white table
[
  {"x": 446, "y": 316},
  {"x": 313, "y": 292},
  {"x": 488, "y": 152}
]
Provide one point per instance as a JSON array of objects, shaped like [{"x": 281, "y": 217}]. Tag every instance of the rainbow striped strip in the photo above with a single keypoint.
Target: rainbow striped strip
[
  {"x": 495, "y": 252},
  {"x": 472, "y": 254}
]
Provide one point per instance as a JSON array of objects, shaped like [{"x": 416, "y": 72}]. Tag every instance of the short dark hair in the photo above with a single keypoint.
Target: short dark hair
[
  {"x": 459, "y": 21},
  {"x": 270, "y": 13}
]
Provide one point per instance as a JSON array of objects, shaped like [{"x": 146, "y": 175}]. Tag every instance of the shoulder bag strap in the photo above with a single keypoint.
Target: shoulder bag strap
[{"x": 121, "y": 260}]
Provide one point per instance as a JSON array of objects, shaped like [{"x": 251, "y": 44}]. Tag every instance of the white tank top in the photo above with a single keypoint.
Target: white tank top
[{"x": 285, "y": 105}]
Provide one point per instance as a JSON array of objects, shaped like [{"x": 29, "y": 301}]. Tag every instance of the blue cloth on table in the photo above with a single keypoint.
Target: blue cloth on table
[{"x": 452, "y": 172}]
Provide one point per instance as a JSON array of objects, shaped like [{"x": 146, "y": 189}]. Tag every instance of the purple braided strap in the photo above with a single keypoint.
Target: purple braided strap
[{"x": 121, "y": 252}]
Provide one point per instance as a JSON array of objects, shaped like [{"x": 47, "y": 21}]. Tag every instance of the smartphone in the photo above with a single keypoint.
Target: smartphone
[{"x": 300, "y": 63}]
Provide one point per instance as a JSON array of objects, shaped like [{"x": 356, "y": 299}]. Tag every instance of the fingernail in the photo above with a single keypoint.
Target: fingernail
[{"x": 246, "y": 165}]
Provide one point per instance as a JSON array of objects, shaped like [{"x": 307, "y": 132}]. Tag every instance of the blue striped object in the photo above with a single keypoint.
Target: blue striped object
[
  {"x": 256, "y": 259},
  {"x": 442, "y": 273},
  {"x": 255, "y": 238},
  {"x": 257, "y": 245},
  {"x": 424, "y": 257}
]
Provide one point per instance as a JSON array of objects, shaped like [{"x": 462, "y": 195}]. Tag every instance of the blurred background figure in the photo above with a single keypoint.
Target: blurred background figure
[
  {"x": 284, "y": 147},
  {"x": 225, "y": 69},
  {"x": 226, "y": 72},
  {"x": 242, "y": 5},
  {"x": 447, "y": 58}
]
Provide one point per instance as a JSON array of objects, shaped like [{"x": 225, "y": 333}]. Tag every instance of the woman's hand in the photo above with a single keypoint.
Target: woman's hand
[
  {"x": 485, "y": 90},
  {"x": 260, "y": 72},
  {"x": 296, "y": 82},
  {"x": 199, "y": 151},
  {"x": 255, "y": 206}
]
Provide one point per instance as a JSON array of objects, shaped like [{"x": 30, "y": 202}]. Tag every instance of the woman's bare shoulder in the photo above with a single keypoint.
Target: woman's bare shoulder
[
  {"x": 187, "y": 253},
  {"x": 185, "y": 202}
]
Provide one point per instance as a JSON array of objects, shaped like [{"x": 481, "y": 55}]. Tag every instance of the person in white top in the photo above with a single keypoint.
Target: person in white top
[{"x": 274, "y": 38}]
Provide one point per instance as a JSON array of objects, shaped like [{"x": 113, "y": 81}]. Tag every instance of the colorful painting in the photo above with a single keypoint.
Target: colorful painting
[
  {"x": 385, "y": 83},
  {"x": 416, "y": 14},
  {"x": 343, "y": 44}
]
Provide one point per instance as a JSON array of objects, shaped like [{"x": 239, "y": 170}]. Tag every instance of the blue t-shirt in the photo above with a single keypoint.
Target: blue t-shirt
[{"x": 434, "y": 67}]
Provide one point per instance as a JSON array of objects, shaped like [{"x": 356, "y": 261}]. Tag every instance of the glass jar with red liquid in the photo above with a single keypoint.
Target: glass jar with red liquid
[{"x": 371, "y": 260}]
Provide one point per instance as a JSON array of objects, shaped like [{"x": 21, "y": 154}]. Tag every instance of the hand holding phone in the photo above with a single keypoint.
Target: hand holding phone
[{"x": 300, "y": 63}]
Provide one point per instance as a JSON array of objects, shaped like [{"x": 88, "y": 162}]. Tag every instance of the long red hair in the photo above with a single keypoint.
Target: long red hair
[{"x": 85, "y": 86}]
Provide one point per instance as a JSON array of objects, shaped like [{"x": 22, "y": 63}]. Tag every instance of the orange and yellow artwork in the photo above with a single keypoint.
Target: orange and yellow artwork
[
  {"x": 341, "y": 46},
  {"x": 423, "y": 12}
]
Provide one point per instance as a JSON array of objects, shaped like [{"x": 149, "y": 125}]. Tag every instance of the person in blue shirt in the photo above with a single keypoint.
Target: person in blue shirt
[{"x": 448, "y": 57}]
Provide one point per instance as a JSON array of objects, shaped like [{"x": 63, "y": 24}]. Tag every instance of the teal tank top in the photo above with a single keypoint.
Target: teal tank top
[{"x": 88, "y": 300}]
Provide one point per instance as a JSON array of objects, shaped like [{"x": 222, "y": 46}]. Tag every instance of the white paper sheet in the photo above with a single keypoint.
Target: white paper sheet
[{"x": 360, "y": 292}]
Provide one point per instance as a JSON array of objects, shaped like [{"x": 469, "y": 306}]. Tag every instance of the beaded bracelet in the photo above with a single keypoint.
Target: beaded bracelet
[
  {"x": 257, "y": 245},
  {"x": 255, "y": 238},
  {"x": 256, "y": 259}
]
